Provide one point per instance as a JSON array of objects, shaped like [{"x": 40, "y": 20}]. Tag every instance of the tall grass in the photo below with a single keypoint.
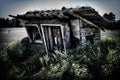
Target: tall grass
[{"x": 92, "y": 62}]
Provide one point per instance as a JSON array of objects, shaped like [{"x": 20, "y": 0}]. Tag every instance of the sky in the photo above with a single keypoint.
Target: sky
[{"x": 15, "y": 7}]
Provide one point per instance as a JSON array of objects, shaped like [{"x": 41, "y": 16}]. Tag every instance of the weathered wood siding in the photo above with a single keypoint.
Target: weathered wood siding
[
  {"x": 92, "y": 33},
  {"x": 67, "y": 35},
  {"x": 53, "y": 37},
  {"x": 73, "y": 33},
  {"x": 75, "y": 28}
]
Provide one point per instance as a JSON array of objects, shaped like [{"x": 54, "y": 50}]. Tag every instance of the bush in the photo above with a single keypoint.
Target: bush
[
  {"x": 111, "y": 65},
  {"x": 89, "y": 63},
  {"x": 16, "y": 52}
]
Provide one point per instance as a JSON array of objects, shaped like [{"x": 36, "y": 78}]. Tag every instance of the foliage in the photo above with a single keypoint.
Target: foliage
[
  {"x": 8, "y": 70},
  {"x": 110, "y": 16},
  {"x": 16, "y": 51},
  {"x": 113, "y": 23},
  {"x": 6, "y": 22},
  {"x": 93, "y": 62},
  {"x": 111, "y": 65}
]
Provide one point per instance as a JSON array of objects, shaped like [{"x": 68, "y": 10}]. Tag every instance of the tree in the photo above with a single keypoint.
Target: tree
[
  {"x": 118, "y": 24},
  {"x": 110, "y": 16},
  {"x": 6, "y": 22}
]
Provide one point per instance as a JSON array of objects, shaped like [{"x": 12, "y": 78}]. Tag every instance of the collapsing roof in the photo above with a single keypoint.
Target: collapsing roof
[{"x": 85, "y": 14}]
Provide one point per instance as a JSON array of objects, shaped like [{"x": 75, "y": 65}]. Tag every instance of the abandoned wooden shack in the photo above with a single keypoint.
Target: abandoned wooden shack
[{"x": 63, "y": 29}]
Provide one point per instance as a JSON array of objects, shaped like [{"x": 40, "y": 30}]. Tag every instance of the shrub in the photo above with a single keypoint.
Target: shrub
[
  {"x": 92, "y": 62},
  {"x": 111, "y": 65}
]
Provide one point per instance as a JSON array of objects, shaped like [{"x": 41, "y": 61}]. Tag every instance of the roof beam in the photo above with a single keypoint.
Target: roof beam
[{"x": 81, "y": 18}]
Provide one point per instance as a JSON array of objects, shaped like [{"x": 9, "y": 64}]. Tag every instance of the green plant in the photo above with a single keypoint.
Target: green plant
[{"x": 93, "y": 62}]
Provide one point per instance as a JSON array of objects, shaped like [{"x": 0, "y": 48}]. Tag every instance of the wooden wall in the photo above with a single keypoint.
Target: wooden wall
[{"x": 75, "y": 32}]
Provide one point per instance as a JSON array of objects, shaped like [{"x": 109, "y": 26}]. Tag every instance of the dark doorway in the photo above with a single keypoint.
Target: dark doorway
[
  {"x": 90, "y": 38},
  {"x": 53, "y": 37},
  {"x": 33, "y": 33}
]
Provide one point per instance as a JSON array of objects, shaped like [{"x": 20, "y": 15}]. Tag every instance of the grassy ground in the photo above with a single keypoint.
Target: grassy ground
[
  {"x": 111, "y": 37},
  {"x": 27, "y": 62}
]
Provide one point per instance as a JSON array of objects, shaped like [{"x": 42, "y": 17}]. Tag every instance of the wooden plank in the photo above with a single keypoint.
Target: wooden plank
[
  {"x": 75, "y": 28},
  {"x": 81, "y": 18},
  {"x": 49, "y": 39},
  {"x": 44, "y": 39},
  {"x": 67, "y": 35}
]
